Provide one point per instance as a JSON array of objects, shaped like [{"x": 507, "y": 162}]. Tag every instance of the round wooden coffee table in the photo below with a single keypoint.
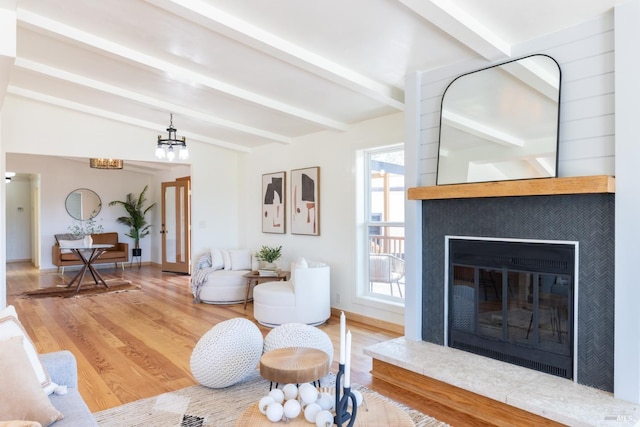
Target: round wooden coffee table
[
  {"x": 374, "y": 412},
  {"x": 294, "y": 365}
]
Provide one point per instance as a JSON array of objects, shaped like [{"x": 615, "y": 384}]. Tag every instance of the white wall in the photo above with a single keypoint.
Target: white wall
[{"x": 335, "y": 154}]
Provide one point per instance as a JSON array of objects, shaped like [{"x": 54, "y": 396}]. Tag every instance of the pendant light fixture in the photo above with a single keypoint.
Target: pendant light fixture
[{"x": 167, "y": 152}]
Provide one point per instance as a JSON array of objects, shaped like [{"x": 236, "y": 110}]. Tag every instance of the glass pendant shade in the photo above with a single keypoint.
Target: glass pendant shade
[{"x": 164, "y": 149}]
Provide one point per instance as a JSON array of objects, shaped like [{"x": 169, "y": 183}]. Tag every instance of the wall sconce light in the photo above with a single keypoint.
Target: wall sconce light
[
  {"x": 170, "y": 142},
  {"x": 106, "y": 163}
]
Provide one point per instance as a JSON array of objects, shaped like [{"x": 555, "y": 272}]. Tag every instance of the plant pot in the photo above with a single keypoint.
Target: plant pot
[
  {"x": 136, "y": 251},
  {"x": 264, "y": 265}
]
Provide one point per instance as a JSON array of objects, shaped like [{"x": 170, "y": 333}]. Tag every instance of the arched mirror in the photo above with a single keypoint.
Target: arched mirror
[
  {"x": 501, "y": 123},
  {"x": 83, "y": 204}
]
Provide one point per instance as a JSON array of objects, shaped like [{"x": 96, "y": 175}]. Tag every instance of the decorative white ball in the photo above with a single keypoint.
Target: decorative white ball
[
  {"x": 277, "y": 394},
  {"x": 275, "y": 412},
  {"x": 263, "y": 403},
  {"x": 290, "y": 391},
  {"x": 292, "y": 408},
  {"x": 324, "y": 419},
  {"x": 305, "y": 385},
  {"x": 326, "y": 401},
  {"x": 308, "y": 395},
  {"x": 311, "y": 411}
]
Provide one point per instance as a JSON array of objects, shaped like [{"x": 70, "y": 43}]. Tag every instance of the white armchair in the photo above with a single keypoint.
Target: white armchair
[
  {"x": 386, "y": 268},
  {"x": 304, "y": 298}
]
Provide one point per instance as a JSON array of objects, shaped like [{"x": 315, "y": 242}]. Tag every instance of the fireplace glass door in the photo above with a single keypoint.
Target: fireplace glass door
[{"x": 518, "y": 315}]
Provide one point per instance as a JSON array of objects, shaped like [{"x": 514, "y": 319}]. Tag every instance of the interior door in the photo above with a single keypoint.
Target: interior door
[{"x": 176, "y": 226}]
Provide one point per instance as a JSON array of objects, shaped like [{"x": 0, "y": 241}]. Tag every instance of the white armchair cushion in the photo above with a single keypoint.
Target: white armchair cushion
[{"x": 277, "y": 294}]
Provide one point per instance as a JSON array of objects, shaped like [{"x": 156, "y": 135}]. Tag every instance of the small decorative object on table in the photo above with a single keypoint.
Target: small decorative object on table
[
  {"x": 344, "y": 370},
  {"x": 268, "y": 256}
]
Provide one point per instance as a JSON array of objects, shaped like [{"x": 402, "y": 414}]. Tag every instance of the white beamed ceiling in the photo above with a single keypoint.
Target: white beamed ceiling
[{"x": 244, "y": 73}]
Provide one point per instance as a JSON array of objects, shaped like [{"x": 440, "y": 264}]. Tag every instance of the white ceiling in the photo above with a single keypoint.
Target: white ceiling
[{"x": 244, "y": 73}]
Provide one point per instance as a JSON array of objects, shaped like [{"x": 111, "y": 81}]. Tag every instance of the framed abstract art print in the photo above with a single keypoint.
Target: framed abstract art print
[
  {"x": 305, "y": 199},
  {"x": 273, "y": 202}
]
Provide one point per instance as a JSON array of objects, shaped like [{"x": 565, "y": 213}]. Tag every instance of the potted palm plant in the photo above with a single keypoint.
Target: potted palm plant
[{"x": 136, "y": 219}]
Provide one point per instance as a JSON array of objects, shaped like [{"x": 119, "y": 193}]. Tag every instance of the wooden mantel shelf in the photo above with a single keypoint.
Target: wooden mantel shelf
[{"x": 526, "y": 187}]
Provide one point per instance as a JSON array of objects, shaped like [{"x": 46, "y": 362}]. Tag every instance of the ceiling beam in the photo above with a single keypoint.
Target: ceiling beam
[
  {"x": 146, "y": 100},
  {"x": 75, "y": 106},
  {"x": 43, "y": 23},
  {"x": 481, "y": 130},
  {"x": 241, "y": 31},
  {"x": 7, "y": 43},
  {"x": 454, "y": 21}
]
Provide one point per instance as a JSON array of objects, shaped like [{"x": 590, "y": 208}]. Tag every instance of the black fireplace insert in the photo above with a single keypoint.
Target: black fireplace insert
[{"x": 513, "y": 301}]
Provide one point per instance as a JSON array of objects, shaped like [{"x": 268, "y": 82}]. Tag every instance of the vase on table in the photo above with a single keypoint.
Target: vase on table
[
  {"x": 264, "y": 265},
  {"x": 87, "y": 241}
]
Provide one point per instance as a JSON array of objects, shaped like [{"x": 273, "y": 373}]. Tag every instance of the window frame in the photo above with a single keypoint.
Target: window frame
[{"x": 365, "y": 290}]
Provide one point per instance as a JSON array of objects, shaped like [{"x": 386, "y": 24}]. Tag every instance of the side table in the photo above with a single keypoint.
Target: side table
[
  {"x": 254, "y": 278},
  {"x": 295, "y": 365}
]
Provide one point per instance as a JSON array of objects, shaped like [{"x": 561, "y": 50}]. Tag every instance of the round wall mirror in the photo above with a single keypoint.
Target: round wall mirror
[{"x": 83, "y": 204}]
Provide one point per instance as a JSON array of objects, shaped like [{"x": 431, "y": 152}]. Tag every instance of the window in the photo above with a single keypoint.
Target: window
[{"x": 384, "y": 213}]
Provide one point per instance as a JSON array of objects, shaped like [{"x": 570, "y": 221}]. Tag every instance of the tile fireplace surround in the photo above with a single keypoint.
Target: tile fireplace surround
[{"x": 570, "y": 209}]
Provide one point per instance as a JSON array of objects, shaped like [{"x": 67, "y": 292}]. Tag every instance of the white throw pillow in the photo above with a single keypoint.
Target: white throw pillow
[
  {"x": 10, "y": 327},
  {"x": 302, "y": 263},
  {"x": 227, "y": 259},
  {"x": 69, "y": 244},
  {"x": 217, "y": 262},
  {"x": 240, "y": 259}
]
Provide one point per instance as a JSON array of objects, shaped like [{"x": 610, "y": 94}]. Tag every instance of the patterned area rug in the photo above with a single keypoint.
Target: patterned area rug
[
  {"x": 115, "y": 285},
  {"x": 199, "y": 406}
]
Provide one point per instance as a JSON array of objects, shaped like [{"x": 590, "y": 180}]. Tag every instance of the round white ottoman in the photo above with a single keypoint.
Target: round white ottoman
[
  {"x": 227, "y": 354},
  {"x": 298, "y": 335}
]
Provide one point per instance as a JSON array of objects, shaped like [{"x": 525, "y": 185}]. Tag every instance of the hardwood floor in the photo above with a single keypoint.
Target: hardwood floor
[{"x": 133, "y": 345}]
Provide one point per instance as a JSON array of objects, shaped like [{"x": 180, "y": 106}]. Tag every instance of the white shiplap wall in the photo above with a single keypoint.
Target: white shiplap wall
[{"x": 586, "y": 57}]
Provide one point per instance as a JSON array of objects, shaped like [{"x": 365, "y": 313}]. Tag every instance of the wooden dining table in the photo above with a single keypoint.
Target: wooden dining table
[{"x": 88, "y": 254}]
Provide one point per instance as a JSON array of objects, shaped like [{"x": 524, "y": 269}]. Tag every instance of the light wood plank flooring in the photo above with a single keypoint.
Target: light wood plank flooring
[{"x": 133, "y": 345}]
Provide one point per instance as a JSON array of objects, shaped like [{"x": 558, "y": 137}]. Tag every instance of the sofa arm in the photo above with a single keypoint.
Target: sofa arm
[
  {"x": 55, "y": 254},
  {"x": 62, "y": 367},
  {"x": 121, "y": 246}
]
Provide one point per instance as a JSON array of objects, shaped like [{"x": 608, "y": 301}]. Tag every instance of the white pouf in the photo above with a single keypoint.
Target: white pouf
[
  {"x": 298, "y": 335},
  {"x": 227, "y": 354}
]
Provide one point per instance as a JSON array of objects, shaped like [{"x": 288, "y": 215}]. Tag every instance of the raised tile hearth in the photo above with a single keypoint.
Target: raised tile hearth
[{"x": 548, "y": 396}]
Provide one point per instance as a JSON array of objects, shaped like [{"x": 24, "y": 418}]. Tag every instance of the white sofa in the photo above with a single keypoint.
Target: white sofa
[
  {"x": 304, "y": 298},
  {"x": 218, "y": 276}
]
